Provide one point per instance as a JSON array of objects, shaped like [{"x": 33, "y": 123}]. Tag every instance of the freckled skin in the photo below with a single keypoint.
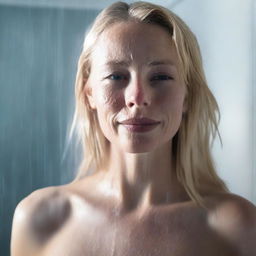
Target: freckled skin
[{"x": 165, "y": 98}]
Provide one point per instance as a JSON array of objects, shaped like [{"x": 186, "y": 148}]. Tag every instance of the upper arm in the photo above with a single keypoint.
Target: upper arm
[{"x": 235, "y": 221}]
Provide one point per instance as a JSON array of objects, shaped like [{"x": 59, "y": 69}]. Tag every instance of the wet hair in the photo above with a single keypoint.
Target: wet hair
[{"x": 194, "y": 165}]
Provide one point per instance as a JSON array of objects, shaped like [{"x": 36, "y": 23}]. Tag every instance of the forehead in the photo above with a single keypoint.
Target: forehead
[{"x": 134, "y": 42}]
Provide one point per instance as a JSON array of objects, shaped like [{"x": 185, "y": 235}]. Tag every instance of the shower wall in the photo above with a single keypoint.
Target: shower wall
[{"x": 39, "y": 49}]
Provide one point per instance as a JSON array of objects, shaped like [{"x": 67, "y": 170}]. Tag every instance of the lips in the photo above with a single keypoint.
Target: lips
[
  {"x": 139, "y": 121},
  {"x": 140, "y": 124}
]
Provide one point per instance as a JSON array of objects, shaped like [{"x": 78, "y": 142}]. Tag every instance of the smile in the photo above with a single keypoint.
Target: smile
[{"x": 140, "y": 127}]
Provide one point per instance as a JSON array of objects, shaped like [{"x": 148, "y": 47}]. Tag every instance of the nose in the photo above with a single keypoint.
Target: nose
[{"x": 138, "y": 94}]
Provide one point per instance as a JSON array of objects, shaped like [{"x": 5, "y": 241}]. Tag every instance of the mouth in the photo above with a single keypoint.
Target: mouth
[
  {"x": 140, "y": 125},
  {"x": 139, "y": 121}
]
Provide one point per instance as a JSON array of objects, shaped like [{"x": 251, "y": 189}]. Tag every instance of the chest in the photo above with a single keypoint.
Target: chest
[{"x": 90, "y": 233}]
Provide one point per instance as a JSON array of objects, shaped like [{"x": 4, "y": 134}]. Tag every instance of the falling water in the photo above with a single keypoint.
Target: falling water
[{"x": 39, "y": 50}]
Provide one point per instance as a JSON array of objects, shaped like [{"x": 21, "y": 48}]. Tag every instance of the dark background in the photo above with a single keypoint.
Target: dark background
[{"x": 39, "y": 49}]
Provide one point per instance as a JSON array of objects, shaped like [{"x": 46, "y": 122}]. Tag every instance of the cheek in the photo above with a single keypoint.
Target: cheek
[
  {"x": 109, "y": 104},
  {"x": 109, "y": 100},
  {"x": 171, "y": 101},
  {"x": 171, "y": 107}
]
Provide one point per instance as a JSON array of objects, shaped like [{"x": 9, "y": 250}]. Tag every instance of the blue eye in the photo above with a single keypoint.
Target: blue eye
[
  {"x": 161, "y": 77},
  {"x": 116, "y": 77}
]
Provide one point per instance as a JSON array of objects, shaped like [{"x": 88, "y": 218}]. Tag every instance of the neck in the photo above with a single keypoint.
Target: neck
[{"x": 142, "y": 180}]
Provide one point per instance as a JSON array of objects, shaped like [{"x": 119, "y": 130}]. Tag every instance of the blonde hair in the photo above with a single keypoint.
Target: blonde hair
[{"x": 194, "y": 165}]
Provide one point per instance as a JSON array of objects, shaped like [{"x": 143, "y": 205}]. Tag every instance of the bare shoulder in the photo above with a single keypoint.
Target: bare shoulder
[
  {"x": 234, "y": 218},
  {"x": 234, "y": 208},
  {"x": 36, "y": 218}
]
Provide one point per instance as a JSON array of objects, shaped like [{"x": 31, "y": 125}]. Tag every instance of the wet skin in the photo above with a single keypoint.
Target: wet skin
[{"x": 96, "y": 225}]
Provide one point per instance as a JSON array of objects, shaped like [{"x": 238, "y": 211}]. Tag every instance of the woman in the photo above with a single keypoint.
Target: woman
[{"x": 145, "y": 115}]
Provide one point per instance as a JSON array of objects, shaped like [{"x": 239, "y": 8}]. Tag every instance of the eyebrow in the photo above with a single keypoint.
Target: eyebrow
[
  {"x": 161, "y": 62},
  {"x": 127, "y": 63},
  {"x": 117, "y": 62}
]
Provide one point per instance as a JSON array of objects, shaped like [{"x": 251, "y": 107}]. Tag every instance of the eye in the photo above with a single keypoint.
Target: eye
[
  {"x": 161, "y": 78},
  {"x": 116, "y": 77}
]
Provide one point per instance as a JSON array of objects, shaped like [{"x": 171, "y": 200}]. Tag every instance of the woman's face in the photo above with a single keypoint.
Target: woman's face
[{"x": 135, "y": 73}]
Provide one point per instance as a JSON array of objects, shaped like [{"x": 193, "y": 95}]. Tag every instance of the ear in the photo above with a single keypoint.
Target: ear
[{"x": 88, "y": 94}]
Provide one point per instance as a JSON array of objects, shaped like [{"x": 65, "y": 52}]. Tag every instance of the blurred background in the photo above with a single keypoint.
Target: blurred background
[{"x": 40, "y": 42}]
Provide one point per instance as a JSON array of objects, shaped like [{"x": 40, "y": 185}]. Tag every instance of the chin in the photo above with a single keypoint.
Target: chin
[{"x": 139, "y": 148}]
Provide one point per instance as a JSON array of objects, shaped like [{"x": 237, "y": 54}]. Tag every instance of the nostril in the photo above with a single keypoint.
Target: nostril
[
  {"x": 131, "y": 104},
  {"x": 139, "y": 97}
]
